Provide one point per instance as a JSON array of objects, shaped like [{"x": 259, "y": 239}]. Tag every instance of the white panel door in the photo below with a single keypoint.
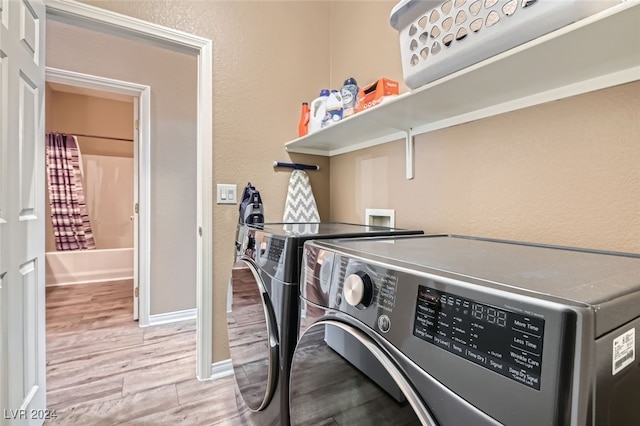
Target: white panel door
[{"x": 22, "y": 295}]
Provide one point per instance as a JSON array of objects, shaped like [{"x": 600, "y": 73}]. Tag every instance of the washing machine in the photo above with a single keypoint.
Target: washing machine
[
  {"x": 452, "y": 330},
  {"x": 264, "y": 319}
]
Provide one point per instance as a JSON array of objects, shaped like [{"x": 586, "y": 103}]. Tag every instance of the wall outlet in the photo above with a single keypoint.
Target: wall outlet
[
  {"x": 380, "y": 217},
  {"x": 227, "y": 193}
]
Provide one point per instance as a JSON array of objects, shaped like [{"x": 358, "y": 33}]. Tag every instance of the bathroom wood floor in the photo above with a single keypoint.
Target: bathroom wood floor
[{"x": 102, "y": 369}]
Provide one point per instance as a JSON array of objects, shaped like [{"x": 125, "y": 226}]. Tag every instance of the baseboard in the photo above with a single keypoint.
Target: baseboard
[
  {"x": 169, "y": 317},
  {"x": 62, "y": 284},
  {"x": 221, "y": 369}
]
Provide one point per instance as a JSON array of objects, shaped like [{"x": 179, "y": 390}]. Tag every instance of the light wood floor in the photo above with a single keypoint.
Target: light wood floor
[{"x": 102, "y": 369}]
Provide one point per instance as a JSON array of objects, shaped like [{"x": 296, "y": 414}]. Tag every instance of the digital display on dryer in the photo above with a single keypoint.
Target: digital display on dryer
[
  {"x": 500, "y": 340},
  {"x": 489, "y": 314}
]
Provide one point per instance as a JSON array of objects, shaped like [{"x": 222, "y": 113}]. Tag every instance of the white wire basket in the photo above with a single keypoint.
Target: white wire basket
[{"x": 438, "y": 38}]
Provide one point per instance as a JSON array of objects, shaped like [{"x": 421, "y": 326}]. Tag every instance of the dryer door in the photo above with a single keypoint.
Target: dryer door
[
  {"x": 326, "y": 388},
  {"x": 253, "y": 337}
]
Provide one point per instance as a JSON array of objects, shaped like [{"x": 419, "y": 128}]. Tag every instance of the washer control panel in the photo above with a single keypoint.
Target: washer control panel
[{"x": 509, "y": 343}]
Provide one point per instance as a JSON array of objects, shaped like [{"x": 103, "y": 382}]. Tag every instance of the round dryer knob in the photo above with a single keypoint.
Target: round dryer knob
[{"x": 358, "y": 290}]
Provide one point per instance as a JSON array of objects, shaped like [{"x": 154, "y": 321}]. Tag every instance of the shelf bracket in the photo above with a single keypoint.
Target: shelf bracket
[{"x": 409, "y": 146}]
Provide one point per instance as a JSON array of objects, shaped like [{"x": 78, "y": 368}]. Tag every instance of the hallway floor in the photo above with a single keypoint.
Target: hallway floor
[{"x": 102, "y": 369}]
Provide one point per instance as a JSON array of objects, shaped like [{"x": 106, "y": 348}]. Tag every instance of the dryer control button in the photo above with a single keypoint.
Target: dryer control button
[
  {"x": 358, "y": 290},
  {"x": 384, "y": 323}
]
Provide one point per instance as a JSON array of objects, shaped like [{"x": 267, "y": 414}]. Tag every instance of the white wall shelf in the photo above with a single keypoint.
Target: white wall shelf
[{"x": 594, "y": 53}]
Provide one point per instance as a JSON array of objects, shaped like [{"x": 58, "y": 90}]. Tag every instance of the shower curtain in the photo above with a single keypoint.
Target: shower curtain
[{"x": 69, "y": 216}]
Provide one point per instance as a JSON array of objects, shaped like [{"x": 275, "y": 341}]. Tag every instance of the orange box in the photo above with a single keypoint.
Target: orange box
[{"x": 374, "y": 93}]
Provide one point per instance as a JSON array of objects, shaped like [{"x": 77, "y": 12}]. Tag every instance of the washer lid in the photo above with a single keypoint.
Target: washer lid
[{"x": 328, "y": 229}]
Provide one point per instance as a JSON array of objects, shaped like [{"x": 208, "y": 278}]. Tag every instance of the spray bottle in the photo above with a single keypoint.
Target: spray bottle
[{"x": 303, "y": 124}]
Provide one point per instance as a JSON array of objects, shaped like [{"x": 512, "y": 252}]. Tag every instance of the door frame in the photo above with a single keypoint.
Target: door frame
[
  {"x": 93, "y": 18},
  {"x": 142, "y": 173}
]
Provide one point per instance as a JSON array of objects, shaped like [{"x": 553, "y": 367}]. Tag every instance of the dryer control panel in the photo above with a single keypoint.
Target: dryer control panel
[
  {"x": 503, "y": 337},
  {"x": 506, "y": 342}
]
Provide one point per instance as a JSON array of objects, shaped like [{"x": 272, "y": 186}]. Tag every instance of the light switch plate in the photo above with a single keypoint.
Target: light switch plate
[{"x": 227, "y": 193}]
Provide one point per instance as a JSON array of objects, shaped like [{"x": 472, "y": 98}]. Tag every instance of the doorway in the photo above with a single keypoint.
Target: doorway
[
  {"x": 102, "y": 125},
  {"x": 116, "y": 98},
  {"x": 80, "y": 15}
]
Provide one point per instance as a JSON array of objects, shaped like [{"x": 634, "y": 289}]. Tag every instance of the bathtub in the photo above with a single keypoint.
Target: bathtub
[{"x": 86, "y": 266}]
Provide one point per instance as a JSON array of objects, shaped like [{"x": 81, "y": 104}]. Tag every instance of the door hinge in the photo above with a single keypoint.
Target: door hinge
[
  {"x": 137, "y": 124},
  {"x": 136, "y": 291},
  {"x": 136, "y": 208}
]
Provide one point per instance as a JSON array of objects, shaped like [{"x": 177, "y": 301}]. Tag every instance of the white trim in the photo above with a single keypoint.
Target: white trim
[
  {"x": 101, "y": 280},
  {"x": 137, "y": 170},
  {"x": 143, "y": 93},
  {"x": 144, "y": 209},
  {"x": 230, "y": 296},
  {"x": 169, "y": 317},
  {"x": 221, "y": 369},
  {"x": 87, "y": 81},
  {"x": 204, "y": 298},
  {"x": 95, "y": 18}
]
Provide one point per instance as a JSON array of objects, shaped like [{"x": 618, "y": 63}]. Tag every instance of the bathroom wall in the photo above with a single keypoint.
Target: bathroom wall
[{"x": 107, "y": 164}]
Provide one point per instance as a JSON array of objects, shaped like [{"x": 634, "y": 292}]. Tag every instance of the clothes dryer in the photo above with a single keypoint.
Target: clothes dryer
[
  {"x": 449, "y": 330},
  {"x": 264, "y": 320}
]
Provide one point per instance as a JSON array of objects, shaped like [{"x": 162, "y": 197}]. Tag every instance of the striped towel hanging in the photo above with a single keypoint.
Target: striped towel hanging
[{"x": 300, "y": 205}]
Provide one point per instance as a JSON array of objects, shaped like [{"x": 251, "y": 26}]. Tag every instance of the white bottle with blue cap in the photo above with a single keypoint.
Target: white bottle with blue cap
[
  {"x": 334, "y": 109},
  {"x": 317, "y": 111}
]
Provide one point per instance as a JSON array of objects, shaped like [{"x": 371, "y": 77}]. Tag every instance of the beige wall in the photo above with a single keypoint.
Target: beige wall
[
  {"x": 562, "y": 173},
  {"x": 172, "y": 78},
  {"x": 108, "y": 171},
  {"x": 270, "y": 56},
  {"x": 74, "y": 113},
  {"x": 363, "y": 43}
]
